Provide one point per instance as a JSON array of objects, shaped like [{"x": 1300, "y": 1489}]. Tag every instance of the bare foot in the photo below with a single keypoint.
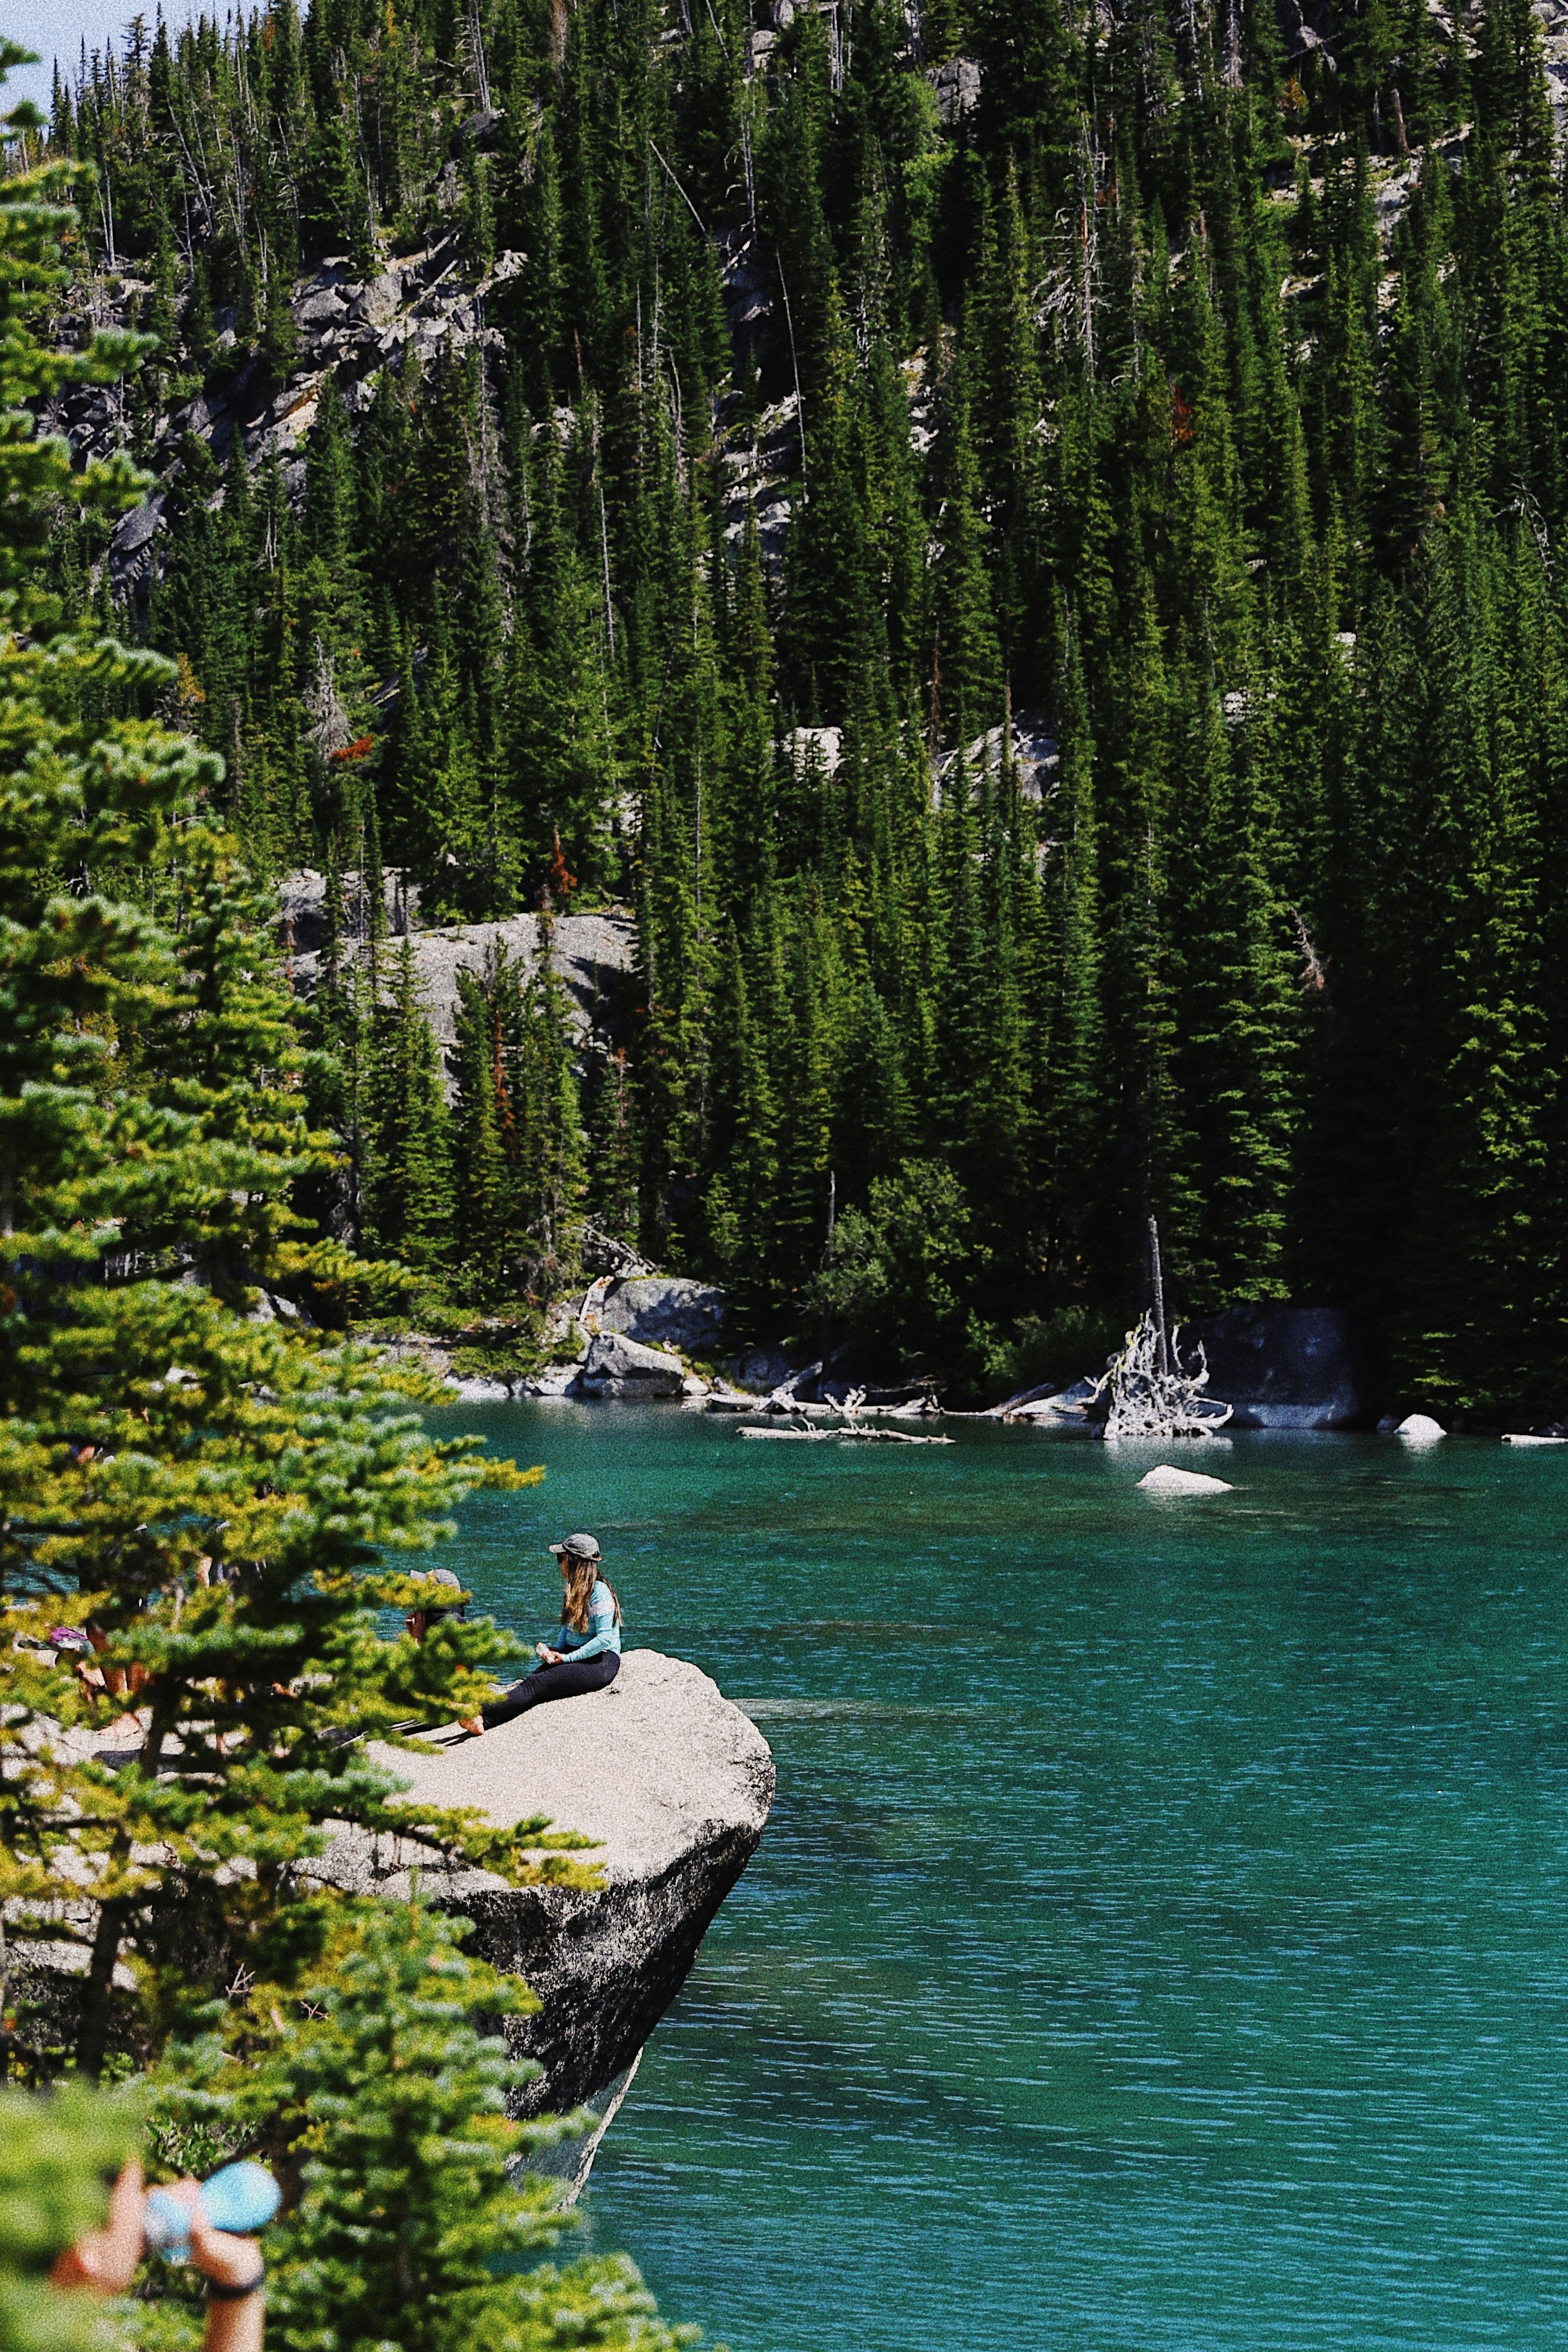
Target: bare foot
[{"x": 471, "y": 1723}]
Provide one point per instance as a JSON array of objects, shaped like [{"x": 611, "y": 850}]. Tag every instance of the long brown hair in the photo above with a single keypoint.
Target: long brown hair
[{"x": 581, "y": 1576}]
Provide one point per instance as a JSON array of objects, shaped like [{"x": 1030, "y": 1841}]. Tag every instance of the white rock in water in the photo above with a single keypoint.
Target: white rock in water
[
  {"x": 1421, "y": 1427},
  {"x": 1167, "y": 1480},
  {"x": 1511, "y": 1438}
]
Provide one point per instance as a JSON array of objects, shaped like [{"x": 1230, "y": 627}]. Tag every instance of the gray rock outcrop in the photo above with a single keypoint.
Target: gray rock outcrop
[
  {"x": 351, "y": 327},
  {"x": 1281, "y": 1367},
  {"x": 957, "y": 87},
  {"x": 675, "y": 1784},
  {"x": 761, "y": 1369},
  {"x": 618, "y": 1367},
  {"x": 665, "y": 1310},
  {"x": 593, "y": 953}
]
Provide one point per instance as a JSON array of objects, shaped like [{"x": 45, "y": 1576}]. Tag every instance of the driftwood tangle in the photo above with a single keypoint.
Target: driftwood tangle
[{"x": 1155, "y": 1398}]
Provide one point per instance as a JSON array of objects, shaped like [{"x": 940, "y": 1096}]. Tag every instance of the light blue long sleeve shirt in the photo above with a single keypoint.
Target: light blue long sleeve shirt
[{"x": 603, "y": 1633}]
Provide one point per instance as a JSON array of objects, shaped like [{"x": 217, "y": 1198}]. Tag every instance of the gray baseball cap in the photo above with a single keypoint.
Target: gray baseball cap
[
  {"x": 435, "y": 1609},
  {"x": 579, "y": 1546}
]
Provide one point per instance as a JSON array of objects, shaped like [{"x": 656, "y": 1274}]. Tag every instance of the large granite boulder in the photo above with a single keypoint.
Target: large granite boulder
[
  {"x": 665, "y": 1310},
  {"x": 617, "y": 1367},
  {"x": 668, "y": 1777},
  {"x": 592, "y": 954},
  {"x": 1281, "y": 1367},
  {"x": 675, "y": 1783}
]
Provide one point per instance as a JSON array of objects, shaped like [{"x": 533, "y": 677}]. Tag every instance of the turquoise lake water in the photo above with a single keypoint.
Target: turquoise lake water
[{"x": 1160, "y": 1936}]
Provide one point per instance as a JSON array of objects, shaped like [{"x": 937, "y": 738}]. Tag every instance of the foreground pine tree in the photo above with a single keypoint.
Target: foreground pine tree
[
  {"x": 407, "y": 2216},
  {"x": 197, "y": 1492},
  {"x": 58, "y": 2162},
  {"x": 385, "y": 2105},
  {"x": 200, "y": 1491}
]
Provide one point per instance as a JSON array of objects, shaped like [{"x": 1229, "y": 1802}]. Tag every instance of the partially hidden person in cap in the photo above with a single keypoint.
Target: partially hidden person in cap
[
  {"x": 586, "y": 1654},
  {"x": 419, "y": 1621}
]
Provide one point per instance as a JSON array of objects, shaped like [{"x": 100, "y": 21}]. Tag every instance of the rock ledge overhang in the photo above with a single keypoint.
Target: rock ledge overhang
[{"x": 674, "y": 1781}]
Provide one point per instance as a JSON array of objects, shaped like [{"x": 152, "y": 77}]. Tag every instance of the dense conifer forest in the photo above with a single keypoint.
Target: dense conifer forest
[{"x": 1021, "y": 542}]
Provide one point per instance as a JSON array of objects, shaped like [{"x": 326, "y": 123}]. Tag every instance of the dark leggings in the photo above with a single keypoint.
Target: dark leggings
[{"x": 568, "y": 1680}]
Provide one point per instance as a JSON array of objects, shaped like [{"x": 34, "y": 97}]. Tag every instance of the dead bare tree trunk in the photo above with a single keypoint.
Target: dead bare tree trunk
[{"x": 1157, "y": 1286}]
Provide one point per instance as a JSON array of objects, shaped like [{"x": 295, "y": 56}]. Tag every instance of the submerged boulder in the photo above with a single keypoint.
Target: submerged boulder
[
  {"x": 618, "y": 1367},
  {"x": 673, "y": 1781},
  {"x": 1166, "y": 1479},
  {"x": 1281, "y": 1367}
]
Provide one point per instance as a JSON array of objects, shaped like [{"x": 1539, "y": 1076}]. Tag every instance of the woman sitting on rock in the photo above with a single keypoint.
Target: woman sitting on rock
[{"x": 586, "y": 1653}]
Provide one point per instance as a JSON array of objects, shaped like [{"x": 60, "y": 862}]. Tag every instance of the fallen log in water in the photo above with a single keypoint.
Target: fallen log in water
[
  {"x": 889, "y": 1437},
  {"x": 864, "y": 1436},
  {"x": 805, "y": 1438}
]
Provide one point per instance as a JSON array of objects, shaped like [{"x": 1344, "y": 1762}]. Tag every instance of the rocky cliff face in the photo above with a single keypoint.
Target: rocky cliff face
[
  {"x": 345, "y": 326},
  {"x": 618, "y": 1367},
  {"x": 675, "y": 1784}
]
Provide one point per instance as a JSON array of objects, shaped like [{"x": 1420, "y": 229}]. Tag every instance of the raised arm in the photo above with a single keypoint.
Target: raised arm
[
  {"x": 235, "y": 2276},
  {"x": 105, "y": 2260}
]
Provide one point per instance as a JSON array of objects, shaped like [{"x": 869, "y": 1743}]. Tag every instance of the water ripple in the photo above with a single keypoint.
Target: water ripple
[{"x": 1158, "y": 1943}]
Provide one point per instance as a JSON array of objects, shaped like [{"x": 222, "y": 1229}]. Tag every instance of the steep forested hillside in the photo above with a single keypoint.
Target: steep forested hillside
[{"x": 1024, "y": 544}]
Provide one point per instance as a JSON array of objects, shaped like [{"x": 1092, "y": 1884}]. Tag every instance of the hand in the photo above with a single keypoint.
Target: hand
[
  {"x": 218, "y": 2254},
  {"x": 106, "y": 2258},
  {"x": 236, "y": 2323},
  {"x": 548, "y": 1656}
]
